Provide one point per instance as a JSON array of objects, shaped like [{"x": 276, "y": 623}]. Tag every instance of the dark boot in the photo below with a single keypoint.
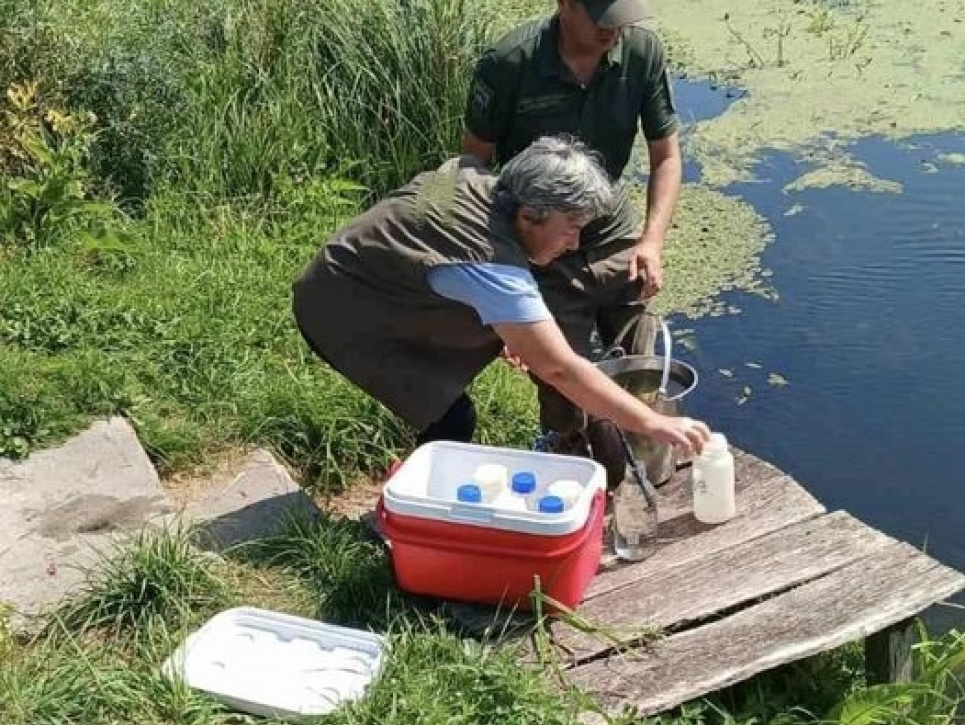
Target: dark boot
[
  {"x": 599, "y": 441},
  {"x": 607, "y": 450},
  {"x": 572, "y": 443}
]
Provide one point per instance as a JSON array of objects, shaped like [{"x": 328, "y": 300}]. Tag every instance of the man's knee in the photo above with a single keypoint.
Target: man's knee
[{"x": 458, "y": 423}]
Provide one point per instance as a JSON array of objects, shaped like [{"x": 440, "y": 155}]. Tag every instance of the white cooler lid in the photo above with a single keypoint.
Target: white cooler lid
[{"x": 276, "y": 665}]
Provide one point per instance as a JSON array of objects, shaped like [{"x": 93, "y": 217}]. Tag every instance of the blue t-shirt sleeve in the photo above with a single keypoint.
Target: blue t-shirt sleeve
[{"x": 500, "y": 293}]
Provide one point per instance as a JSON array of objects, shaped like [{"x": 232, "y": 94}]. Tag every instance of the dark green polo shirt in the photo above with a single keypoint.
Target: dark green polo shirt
[{"x": 522, "y": 90}]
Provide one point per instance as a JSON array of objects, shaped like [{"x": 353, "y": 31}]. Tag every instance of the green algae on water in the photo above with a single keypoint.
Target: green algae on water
[
  {"x": 852, "y": 68},
  {"x": 850, "y": 173},
  {"x": 955, "y": 159},
  {"x": 714, "y": 246}
]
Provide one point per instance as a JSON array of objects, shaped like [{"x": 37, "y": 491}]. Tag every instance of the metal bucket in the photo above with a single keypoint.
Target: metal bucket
[{"x": 644, "y": 376}]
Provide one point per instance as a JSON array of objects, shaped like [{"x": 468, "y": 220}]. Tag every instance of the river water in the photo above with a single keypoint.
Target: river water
[{"x": 868, "y": 330}]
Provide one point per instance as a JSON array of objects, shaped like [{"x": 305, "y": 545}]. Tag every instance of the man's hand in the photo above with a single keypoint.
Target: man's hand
[
  {"x": 687, "y": 434},
  {"x": 645, "y": 261},
  {"x": 663, "y": 186},
  {"x": 513, "y": 360}
]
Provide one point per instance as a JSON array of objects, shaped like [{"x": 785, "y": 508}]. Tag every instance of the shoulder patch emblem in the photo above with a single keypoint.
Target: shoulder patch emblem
[{"x": 482, "y": 96}]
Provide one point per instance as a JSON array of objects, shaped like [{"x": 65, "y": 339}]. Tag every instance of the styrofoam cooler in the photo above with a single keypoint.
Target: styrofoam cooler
[{"x": 488, "y": 553}]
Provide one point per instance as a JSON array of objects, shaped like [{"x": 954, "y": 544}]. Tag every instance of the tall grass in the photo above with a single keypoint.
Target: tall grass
[
  {"x": 188, "y": 332},
  {"x": 224, "y": 98},
  {"x": 338, "y": 562},
  {"x": 119, "y": 61},
  {"x": 395, "y": 91},
  {"x": 241, "y": 133},
  {"x": 373, "y": 90},
  {"x": 160, "y": 577}
]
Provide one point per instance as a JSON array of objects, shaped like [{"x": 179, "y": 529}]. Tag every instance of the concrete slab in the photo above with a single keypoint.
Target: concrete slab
[
  {"x": 252, "y": 505},
  {"x": 65, "y": 508},
  {"x": 63, "y": 505}
]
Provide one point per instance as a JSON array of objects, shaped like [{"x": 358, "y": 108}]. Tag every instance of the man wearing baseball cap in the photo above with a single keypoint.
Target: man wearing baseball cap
[
  {"x": 615, "y": 13},
  {"x": 593, "y": 71}
]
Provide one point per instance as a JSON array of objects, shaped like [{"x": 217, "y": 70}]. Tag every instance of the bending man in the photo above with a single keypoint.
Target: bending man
[{"x": 415, "y": 297}]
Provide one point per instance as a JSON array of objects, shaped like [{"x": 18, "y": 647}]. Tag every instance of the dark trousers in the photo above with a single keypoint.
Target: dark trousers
[
  {"x": 457, "y": 424},
  {"x": 584, "y": 290}
]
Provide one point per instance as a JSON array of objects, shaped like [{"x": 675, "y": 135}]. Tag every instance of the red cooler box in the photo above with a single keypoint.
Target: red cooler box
[{"x": 491, "y": 553}]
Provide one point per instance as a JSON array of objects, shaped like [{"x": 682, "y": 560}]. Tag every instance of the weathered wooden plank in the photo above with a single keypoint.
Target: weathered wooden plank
[
  {"x": 668, "y": 597},
  {"x": 895, "y": 583},
  {"x": 767, "y": 501}
]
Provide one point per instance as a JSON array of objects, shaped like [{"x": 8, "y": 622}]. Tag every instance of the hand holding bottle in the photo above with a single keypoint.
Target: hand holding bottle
[{"x": 687, "y": 434}]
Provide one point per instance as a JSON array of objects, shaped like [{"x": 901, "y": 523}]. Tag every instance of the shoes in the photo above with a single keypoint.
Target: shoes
[{"x": 572, "y": 443}]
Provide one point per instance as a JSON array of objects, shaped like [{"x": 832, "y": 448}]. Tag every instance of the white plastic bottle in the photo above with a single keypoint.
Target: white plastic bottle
[
  {"x": 492, "y": 479},
  {"x": 566, "y": 489},
  {"x": 713, "y": 482}
]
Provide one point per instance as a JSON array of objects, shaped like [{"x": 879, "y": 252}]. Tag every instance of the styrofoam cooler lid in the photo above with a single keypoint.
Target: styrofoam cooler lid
[
  {"x": 425, "y": 487},
  {"x": 276, "y": 665}
]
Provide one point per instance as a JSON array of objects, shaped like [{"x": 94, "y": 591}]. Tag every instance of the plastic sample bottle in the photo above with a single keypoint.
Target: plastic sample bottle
[
  {"x": 524, "y": 489},
  {"x": 492, "y": 479},
  {"x": 634, "y": 520},
  {"x": 469, "y": 493},
  {"x": 567, "y": 489},
  {"x": 551, "y": 505},
  {"x": 713, "y": 482}
]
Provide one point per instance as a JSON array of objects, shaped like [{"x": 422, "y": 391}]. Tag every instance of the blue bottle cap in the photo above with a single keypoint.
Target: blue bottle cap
[
  {"x": 551, "y": 505},
  {"x": 469, "y": 493},
  {"x": 524, "y": 482}
]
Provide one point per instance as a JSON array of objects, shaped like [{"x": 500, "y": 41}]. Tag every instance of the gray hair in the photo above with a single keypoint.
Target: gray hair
[{"x": 556, "y": 173}]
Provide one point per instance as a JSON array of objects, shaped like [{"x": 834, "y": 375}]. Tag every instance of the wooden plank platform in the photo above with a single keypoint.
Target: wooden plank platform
[
  {"x": 781, "y": 581},
  {"x": 848, "y": 604}
]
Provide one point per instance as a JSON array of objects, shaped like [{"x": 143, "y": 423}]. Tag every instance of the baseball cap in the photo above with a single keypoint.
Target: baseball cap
[{"x": 615, "y": 13}]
